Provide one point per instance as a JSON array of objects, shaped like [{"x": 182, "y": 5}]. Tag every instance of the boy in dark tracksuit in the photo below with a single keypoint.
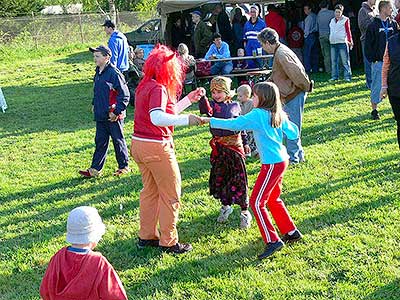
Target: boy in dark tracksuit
[{"x": 111, "y": 97}]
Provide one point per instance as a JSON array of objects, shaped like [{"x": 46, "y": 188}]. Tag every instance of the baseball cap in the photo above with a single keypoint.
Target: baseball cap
[
  {"x": 196, "y": 12},
  {"x": 102, "y": 49},
  {"x": 109, "y": 23}
]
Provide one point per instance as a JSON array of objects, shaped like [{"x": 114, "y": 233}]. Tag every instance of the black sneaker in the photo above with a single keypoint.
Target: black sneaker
[
  {"x": 375, "y": 115},
  {"x": 147, "y": 243},
  {"x": 296, "y": 236},
  {"x": 178, "y": 248},
  {"x": 271, "y": 248}
]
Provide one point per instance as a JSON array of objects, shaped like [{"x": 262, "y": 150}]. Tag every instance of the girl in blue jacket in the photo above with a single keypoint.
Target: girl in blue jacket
[{"x": 268, "y": 123}]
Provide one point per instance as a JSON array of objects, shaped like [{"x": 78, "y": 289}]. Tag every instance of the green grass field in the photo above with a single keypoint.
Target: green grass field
[{"x": 345, "y": 198}]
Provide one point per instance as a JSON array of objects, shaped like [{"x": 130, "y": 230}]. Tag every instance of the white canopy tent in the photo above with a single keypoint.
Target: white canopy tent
[{"x": 166, "y": 7}]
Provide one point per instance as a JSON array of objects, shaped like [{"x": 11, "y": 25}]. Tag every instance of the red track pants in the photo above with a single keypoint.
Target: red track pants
[{"x": 266, "y": 192}]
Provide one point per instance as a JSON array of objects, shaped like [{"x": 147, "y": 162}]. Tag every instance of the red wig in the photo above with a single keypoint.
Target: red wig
[{"x": 167, "y": 68}]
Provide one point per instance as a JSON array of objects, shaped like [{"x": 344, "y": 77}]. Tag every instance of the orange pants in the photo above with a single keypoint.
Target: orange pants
[{"x": 159, "y": 198}]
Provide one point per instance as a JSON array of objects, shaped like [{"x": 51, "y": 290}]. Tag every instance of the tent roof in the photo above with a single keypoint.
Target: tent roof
[{"x": 170, "y": 6}]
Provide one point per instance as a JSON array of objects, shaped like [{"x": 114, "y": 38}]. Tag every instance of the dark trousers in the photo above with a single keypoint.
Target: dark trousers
[
  {"x": 105, "y": 129},
  {"x": 395, "y": 103},
  {"x": 311, "y": 53}
]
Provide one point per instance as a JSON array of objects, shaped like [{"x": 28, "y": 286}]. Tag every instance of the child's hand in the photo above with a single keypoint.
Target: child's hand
[
  {"x": 247, "y": 149},
  {"x": 205, "y": 120}
]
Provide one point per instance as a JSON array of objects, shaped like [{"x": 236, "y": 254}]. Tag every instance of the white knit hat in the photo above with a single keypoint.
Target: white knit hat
[{"x": 84, "y": 225}]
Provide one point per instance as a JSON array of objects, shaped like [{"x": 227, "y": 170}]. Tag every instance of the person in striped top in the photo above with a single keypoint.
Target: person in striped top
[{"x": 250, "y": 32}]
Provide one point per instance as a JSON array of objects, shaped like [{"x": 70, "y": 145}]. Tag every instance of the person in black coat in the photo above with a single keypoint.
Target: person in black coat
[
  {"x": 378, "y": 33},
  {"x": 222, "y": 24},
  {"x": 391, "y": 78}
]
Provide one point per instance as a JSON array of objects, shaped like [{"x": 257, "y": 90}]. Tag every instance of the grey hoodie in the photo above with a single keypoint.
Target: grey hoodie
[{"x": 366, "y": 15}]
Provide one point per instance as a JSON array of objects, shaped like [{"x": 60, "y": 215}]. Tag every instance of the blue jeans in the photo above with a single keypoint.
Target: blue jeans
[
  {"x": 221, "y": 67},
  {"x": 376, "y": 84},
  {"x": 340, "y": 51},
  {"x": 105, "y": 129},
  {"x": 311, "y": 53},
  {"x": 367, "y": 67},
  {"x": 294, "y": 109}
]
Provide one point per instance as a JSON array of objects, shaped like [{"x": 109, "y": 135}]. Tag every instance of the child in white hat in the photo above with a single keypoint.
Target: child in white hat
[{"x": 77, "y": 272}]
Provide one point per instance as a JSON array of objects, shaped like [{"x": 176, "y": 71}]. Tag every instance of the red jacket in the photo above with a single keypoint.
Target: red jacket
[
  {"x": 295, "y": 37},
  {"x": 77, "y": 276},
  {"x": 276, "y": 21}
]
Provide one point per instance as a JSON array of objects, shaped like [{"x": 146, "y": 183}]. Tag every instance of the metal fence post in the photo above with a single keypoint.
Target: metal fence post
[
  {"x": 80, "y": 27},
  {"x": 35, "y": 36}
]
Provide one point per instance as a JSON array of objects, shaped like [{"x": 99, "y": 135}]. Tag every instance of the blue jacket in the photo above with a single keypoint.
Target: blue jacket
[
  {"x": 222, "y": 52},
  {"x": 251, "y": 31},
  {"x": 119, "y": 49},
  {"x": 267, "y": 138},
  {"x": 109, "y": 88}
]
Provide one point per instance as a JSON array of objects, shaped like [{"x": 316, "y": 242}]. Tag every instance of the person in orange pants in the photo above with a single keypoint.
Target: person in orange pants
[{"x": 156, "y": 114}]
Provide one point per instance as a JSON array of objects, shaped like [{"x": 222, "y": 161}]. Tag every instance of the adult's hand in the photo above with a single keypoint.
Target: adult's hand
[
  {"x": 112, "y": 117},
  {"x": 383, "y": 93},
  {"x": 194, "y": 96},
  {"x": 351, "y": 45},
  {"x": 194, "y": 120},
  {"x": 247, "y": 149}
]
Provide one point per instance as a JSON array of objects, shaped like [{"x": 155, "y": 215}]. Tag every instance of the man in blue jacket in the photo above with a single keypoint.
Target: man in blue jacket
[
  {"x": 218, "y": 50},
  {"x": 119, "y": 47},
  {"x": 110, "y": 99}
]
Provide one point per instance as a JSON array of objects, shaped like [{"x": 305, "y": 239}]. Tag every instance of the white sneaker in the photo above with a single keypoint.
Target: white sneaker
[
  {"x": 245, "y": 219},
  {"x": 224, "y": 213}
]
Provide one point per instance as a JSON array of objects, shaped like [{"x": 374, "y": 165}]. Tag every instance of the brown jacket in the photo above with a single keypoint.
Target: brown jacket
[{"x": 288, "y": 74}]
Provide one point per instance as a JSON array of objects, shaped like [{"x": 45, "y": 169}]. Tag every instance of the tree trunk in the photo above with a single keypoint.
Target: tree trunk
[{"x": 113, "y": 12}]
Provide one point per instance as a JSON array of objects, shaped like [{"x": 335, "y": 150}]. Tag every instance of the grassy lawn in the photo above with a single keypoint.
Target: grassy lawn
[{"x": 345, "y": 198}]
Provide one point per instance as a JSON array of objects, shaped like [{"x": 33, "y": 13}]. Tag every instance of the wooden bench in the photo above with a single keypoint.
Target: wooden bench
[{"x": 254, "y": 75}]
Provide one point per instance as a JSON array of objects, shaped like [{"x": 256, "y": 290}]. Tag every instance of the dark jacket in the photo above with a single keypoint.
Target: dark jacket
[
  {"x": 224, "y": 26},
  {"x": 365, "y": 16},
  {"x": 202, "y": 39},
  {"x": 110, "y": 89},
  {"x": 376, "y": 38},
  {"x": 394, "y": 69}
]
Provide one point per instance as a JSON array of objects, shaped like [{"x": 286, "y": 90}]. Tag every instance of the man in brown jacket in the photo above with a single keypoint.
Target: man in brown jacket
[{"x": 289, "y": 75}]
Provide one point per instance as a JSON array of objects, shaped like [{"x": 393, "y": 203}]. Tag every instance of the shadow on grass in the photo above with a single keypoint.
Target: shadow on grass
[
  {"x": 54, "y": 193},
  {"x": 352, "y": 126},
  {"x": 390, "y": 291},
  {"x": 16, "y": 286},
  {"x": 193, "y": 270},
  {"x": 77, "y": 58},
  {"x": 34, "y": 109},
  {"x": 384, "y": 169}
]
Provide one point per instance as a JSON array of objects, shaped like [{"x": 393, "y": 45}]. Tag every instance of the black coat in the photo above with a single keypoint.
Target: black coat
[{"x": 375, "y": 39}]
